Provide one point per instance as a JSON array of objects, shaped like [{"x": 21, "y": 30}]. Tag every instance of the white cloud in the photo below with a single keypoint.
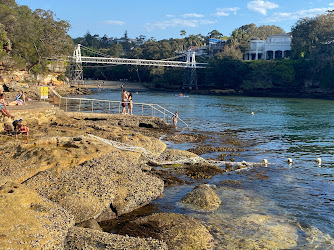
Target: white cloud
[
  {"x": 194, "y": 15},
  {"x": 114, "y": 22},
  {"x": 261, "y": 6},
  {"x": 170, "y": 15},
  {"x": 282, "y": 16},
  {"x": 177, "y": 22},
  {"x": 331, "y": 4},
  {"x": 226, "y": 11}
]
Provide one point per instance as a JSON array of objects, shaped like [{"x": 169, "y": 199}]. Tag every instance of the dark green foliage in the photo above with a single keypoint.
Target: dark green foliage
[
  {"x": 227, "y": 72},
  {"x": 34, "y": 36},
  {"x": 313, "y": 46}
]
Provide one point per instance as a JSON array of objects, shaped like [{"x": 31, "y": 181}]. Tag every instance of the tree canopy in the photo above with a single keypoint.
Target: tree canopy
[{"x": 33, "y": 35}]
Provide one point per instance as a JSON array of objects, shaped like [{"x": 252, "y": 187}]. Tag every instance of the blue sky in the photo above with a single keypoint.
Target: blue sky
[{"x": 165, "y": 19}]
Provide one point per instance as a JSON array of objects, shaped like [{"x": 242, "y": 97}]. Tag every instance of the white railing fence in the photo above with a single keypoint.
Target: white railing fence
[{"x": 73, "y": 104}]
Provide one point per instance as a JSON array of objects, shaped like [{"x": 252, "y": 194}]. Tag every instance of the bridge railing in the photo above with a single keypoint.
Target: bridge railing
[{"x": 74, "y": 104}]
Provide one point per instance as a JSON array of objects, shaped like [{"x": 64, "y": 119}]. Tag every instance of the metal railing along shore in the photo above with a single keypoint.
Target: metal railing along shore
[{"x": 74, "y": 104}]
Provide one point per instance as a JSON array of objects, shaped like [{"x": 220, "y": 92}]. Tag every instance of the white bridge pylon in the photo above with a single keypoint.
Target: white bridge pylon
[{"x": 190, "y": 63}]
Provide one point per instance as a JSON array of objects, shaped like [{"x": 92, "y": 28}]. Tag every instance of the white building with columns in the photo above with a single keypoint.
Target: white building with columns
[{"x": 275, "y": 47}]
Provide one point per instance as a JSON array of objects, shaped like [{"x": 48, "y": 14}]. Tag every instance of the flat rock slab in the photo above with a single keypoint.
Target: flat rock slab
[
  {"x": 31, "y": 105},
  {"x": 112, "y": 181},
  {"x": 29, "y": 221}
]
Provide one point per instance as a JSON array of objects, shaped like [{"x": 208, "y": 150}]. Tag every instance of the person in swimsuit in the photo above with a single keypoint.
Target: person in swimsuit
[
  {"x": 124, "y": 101},
  {"x": 175, "y": 116},
  {"x": 3, "y": 107},
  {"x": 130, "y": 104},
  {"x": 19, "y": 100}
]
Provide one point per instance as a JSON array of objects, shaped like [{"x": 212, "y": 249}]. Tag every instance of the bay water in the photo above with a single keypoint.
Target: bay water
[{"x": 300, "y": 194}]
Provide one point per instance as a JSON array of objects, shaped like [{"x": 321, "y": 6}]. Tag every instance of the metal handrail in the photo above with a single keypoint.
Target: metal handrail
[{"x": 155, "y": 109}]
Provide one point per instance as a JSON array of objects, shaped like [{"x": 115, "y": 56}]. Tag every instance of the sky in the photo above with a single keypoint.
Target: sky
[{"x": 164, "y": 19}]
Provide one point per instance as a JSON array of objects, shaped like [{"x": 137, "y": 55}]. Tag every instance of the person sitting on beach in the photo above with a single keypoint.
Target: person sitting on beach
[
  {"x": 20, "y": 99},
  {"x": 3, "y": 107},
  {"x": 23, "y": 129},
  {"x": 130, "y": 104},
  {"x": 16, "y": 125},
  {"x": 124, "y": 101},
  {"x": 20, "y": 127}
]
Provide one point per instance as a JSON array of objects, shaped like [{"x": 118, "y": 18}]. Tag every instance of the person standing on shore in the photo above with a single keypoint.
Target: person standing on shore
[
  {"x": 130, "y": 104},
  {"x": 175, "y": 116},
  {"x": 124, "y": 101}
]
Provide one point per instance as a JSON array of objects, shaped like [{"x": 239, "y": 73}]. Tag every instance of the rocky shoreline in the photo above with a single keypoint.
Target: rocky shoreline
[
  {"x": 77, "y": 170},
  {"x": 88, "y": 181}
]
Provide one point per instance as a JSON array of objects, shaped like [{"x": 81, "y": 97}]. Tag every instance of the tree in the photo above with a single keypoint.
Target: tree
[
  {"x": 241, "y": 36},
  {"x": 116, "y": 50},
  {"x": 313, "y": 40},
  {"x": 215, "y": 34},
  {"x": 183, "y": 33}
]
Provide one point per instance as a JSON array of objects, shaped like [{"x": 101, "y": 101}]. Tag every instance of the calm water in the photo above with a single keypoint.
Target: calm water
[{"x": 301, "y": 129}]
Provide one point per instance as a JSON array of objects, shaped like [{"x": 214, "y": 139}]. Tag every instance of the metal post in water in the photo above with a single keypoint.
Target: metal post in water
[
  {"x": 119, "y": 108},
  {"x": 109, "y": 107},
  {"x": 142, "y": 109}
]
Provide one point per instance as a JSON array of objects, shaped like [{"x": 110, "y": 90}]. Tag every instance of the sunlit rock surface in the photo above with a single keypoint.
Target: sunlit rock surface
[
  {"x": 177, "y": 230},
  {"x": 30, "y": 221}
]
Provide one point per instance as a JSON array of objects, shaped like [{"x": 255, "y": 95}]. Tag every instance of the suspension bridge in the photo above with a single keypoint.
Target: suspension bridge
[{"x": 190, "y": 64}]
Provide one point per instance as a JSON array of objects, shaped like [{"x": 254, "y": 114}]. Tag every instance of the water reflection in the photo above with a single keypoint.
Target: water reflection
[{"x": 298, "y": 197}]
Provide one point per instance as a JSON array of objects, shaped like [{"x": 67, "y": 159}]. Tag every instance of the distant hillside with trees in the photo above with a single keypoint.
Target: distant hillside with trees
[{"x": 28, "y": 37}]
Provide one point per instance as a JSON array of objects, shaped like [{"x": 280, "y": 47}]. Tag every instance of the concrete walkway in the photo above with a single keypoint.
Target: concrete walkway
[{"x": 30, "y": 105}]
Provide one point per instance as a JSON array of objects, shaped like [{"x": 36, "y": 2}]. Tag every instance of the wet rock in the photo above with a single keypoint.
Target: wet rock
[
  {"x": 181, "y": 156},
  {"x": 177, "y": 230},
  {"x": 199, "y": 150},
  {"x": 29, "y": 220},
  {"x": 91, "y": 224},
  {"x": 168, "y": 178},
  {"x": 202, "y": 197},
  {"x": 182, "y": 138},
  {"x": 230, "y": 183},
  {"x": 112, "y": 181},
  {"x": 82, "y": 238},
  {"x": 202, "y": 170}
]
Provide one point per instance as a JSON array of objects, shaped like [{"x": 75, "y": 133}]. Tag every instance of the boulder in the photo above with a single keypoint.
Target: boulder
[
  {"x": 30, "y": 221},
  {"x": 202, "y": 197},
  {"x": 82, "y": 238},
  {"x": 177, "y": 230},
  {"x": 88, "y": 190}
]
